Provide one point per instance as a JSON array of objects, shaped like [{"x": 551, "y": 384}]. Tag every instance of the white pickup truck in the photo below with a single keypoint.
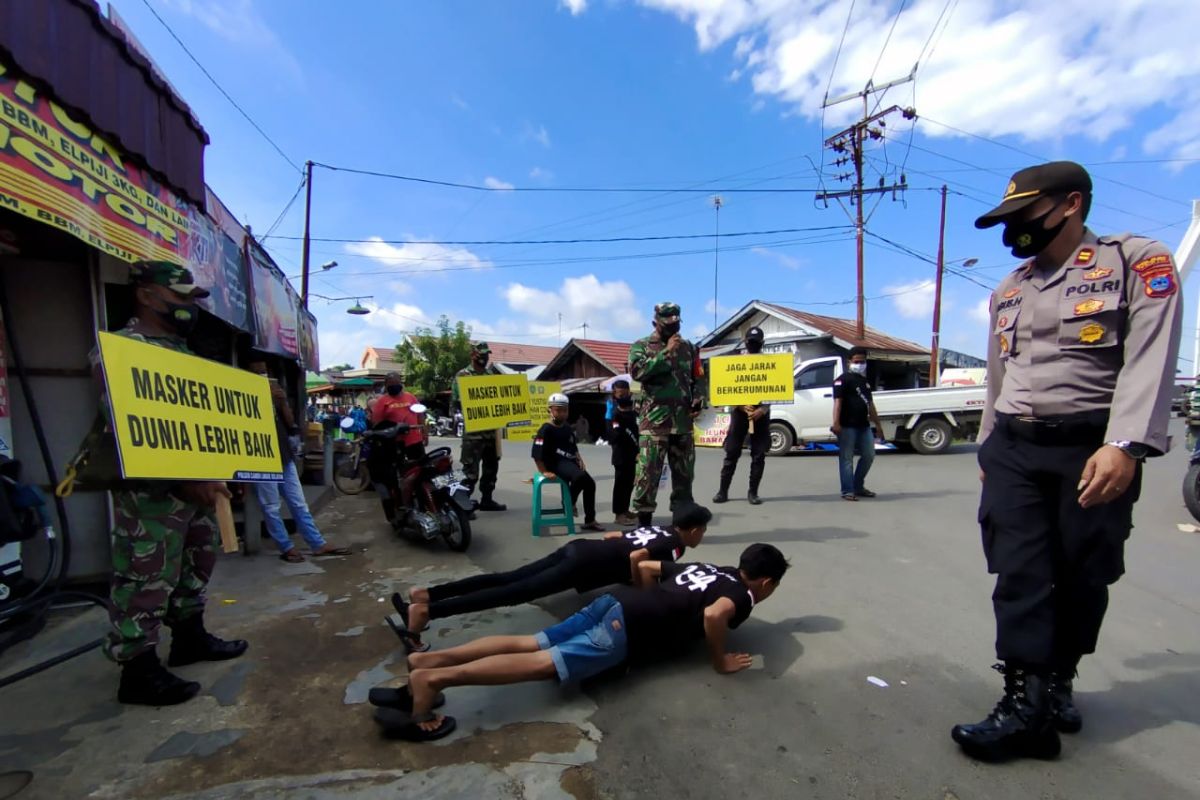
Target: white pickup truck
[{"x": 925, "y": 420}]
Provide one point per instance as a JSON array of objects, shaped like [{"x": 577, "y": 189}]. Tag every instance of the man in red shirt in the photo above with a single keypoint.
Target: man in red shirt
[{"x": 395, "y": 406}]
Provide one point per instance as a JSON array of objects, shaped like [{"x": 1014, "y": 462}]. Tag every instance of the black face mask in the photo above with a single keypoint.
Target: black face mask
[
  {"x": 624, "y": 402},
  {"x": 394, "y": 391},
  {"x": 753, "y": 347},
  {"x": 1027, "y": 239},
  {"x": 667, "y": 330},
  {"x": 181, "y": 316},
  {"x": 481, "y": 361}
]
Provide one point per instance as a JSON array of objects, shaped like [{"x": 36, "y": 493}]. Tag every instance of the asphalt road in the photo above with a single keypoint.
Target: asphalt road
[{"x": 893, "y": 588}]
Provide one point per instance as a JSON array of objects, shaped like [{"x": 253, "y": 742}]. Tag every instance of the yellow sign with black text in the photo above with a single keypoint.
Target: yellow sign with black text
[
  {"x": 181, "y": 417},
  {"x": 539, "y": 405},
  {"x": 750, "y": 379},
  {"x": 492, "y": 402}
]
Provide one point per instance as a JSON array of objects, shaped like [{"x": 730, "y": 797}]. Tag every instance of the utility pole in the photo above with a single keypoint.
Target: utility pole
[
  {"x": 308, "y": 165},
  {"x": 717, "y": 202},
  {"x": 934, "y": 352},
  {"x": 560, "y": 329},
  {"x": 585, "y": 327},
  {"x": 851, "y": 140}
]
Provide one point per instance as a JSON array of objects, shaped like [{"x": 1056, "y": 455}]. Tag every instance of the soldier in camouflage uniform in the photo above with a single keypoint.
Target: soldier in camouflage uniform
[
  {"x": 480, "y": 447},
  {"x": 164, "y": 543},
  {"x": 668, "y": 368}
]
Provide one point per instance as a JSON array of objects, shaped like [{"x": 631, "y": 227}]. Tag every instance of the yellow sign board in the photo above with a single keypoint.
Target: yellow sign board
[
  {"x": 492, "y": 402},
  {"x": 539, "y": 404},
  {"x": 750, "y": 379},
  {"x": 181, "y": 417}
]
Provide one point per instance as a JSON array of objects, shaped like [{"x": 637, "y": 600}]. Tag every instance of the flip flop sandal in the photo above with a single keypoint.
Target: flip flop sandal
[
  {"x": 291, "y": 556},
  {"x": 591, "y": 526},
  {"x": 411, "y": 641},
  {"x": 334, "y": 551},
  {"x": 398, "y": 725},
  {"x": 399, "y": 698}
]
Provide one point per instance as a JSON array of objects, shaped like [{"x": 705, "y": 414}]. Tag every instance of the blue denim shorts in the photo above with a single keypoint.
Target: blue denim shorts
[{"x": 588, "y": 642}]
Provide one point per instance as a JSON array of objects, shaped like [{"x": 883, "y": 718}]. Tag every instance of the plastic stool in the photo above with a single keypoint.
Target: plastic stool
[{"x": 555, "y": 516}]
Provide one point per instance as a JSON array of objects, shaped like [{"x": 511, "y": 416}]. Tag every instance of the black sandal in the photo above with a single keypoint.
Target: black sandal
[
  {"x": 399, "y": 698},
  {"x": 398, "y": 725},
  {"x": 411, "y": 641}
]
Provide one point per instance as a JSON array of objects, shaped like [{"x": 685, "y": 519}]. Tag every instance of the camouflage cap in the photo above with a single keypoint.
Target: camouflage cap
[
  {"x": 667, "y": 309},
  {"x": 165, "y": 273},
  {"x": 481, "y": 347}
]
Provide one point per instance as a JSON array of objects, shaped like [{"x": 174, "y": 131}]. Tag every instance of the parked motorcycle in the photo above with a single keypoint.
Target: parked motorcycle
[
  {"x": 441, "y": 502},
  {"x": 444, "y": 426},
  {"x": 352, "y": 475}
]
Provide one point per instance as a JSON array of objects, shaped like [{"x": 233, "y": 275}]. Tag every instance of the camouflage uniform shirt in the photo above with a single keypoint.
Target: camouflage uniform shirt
[{"x": 669, "y": 385}]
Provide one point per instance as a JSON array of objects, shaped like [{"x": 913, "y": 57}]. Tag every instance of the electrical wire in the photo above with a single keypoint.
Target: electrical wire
[
  {"x": 286, "y": 209},
  {"x": 883, "y": 49},
  {"x": 221, "y": 89}
]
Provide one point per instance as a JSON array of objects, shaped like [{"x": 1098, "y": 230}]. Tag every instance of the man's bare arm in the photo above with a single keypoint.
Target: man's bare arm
[
  {"x": 716, "y": 628},
  {"x": 645, "y": 573}
]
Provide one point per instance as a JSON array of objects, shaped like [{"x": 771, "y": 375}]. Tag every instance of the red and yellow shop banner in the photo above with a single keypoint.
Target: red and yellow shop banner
[{"x": 56, "y": 170}]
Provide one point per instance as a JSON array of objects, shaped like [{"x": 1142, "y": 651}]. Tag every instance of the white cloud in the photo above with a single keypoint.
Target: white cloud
[
  {"x": 399, "y": 317},
  {"x": 783, "y": 259},
  {"x": 1016, "y": 67},
  {"x": 416, "y": 255},
  {"x": 912, "y": 300},
  {"x": 238, "y": 21},
  {"x": 539, "y": 174},
  {"x": 608, "y": 307},
  {"x": 496, "y": 183},
  {"x": 981, "y": 312},
  {"x": 700, "y": 330},
  {"x": 722, "y": 311},
  {"x": 538, "y": 134},
  {"x": 458, "y": 101},
  {"x": 576, "y": 7}
]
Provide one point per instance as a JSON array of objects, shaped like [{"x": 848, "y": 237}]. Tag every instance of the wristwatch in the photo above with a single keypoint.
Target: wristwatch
[{"x": 1135, "y": 450}]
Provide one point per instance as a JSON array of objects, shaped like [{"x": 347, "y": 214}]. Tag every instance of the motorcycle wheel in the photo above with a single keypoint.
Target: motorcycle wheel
[
  {"x": 349, "y": 480},
  {"x": 1191, "y": 490},
  {"x": 458, "y": 538}
]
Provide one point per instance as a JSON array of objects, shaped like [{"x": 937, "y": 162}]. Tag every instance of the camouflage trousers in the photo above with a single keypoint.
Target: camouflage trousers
[
  {"x": 480, "y": 449},
  {"x": 679, "y": 450},
  {"x": 163, "y": 553}
]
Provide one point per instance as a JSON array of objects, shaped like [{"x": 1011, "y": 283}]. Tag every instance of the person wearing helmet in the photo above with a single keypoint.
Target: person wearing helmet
[{"x": 556, "y": 454}]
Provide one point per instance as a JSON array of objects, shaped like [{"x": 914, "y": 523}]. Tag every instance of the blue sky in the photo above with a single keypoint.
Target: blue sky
[{"x": 707, "y": 94}]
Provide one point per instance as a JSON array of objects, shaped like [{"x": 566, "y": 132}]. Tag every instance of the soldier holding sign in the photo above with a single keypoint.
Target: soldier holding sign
[
  {"x": 164, "y": 544},
  {"x": 481, "y": 447},
  {"x": 752, "y": 420}
]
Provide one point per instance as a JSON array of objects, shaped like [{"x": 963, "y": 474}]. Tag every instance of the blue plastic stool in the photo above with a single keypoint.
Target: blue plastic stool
[{"x": 555, "y": 516}]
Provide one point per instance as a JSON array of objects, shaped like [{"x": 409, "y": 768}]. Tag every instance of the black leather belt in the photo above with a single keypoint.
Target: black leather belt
[{"x": 1084, "y": 428}]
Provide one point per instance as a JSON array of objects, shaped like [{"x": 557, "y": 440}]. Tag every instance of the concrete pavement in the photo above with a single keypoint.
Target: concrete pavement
[{"x": 894, "y": 588}]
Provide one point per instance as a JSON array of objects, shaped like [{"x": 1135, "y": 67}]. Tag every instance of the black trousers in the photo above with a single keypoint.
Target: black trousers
[
  {"x": 624, "y": 474},
  {"x": 1053, "y": 560},
  {"x": 735, "y": 439},
  {"x": 580, "y": 483},
  {"x": 555, "y": 573}
]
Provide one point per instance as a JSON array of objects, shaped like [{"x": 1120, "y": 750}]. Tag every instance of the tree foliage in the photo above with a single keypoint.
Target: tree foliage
[{"x": 432, "y": 357}]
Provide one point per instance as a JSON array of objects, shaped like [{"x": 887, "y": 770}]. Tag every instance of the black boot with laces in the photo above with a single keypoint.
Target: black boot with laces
[
  {"x": 146, "y": 682},
  {"x": 1020, "y": 726},
  {"x": 1066, "y": 716}
]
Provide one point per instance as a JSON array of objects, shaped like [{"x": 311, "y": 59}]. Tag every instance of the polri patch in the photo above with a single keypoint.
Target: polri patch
[
  {"x": 1085, "y": 256},
  {"x": 1088, "y": 307},
  {"x": 1097, "y": 274},
  {"x": 1091, "y": 333},
  {"x": 1153, "y": 263}
]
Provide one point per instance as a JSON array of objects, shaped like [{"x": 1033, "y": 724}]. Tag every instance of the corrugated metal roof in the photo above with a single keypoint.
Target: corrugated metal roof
[{"x": 845, "y": 329}]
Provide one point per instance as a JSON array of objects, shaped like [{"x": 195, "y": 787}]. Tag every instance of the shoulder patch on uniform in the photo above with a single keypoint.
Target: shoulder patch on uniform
[
  {"x": 1085, "y": 256},
  {"x": 1099, "y": 273},
  {"x": 1155, "y": 262},
  {"x": 1160, "y": 282},
  {"x": 1013, "y": 292}
]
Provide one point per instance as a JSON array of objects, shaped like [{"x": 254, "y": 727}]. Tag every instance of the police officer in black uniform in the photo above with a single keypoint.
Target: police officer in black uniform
[
  {"x": 740, "y": 418},
  {"x": 1081, "y": 361}
]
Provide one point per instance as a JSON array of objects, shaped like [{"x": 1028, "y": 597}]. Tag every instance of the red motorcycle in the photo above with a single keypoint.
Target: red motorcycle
[{"x": 440, "y": 501}]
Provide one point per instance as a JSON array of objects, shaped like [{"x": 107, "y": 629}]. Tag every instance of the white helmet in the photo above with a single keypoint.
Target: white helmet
[{"x": 558, "y": 399}]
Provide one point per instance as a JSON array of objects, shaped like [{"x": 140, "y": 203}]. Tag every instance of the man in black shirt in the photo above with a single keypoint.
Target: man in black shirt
[
  {"x": 584, "y": 565},
  {"x": 628, "y": 625},
  {"x": 623, "y": 436},
  {"x": 852, "y": 407},
  {"x": 741, "y": 420},
  {"x": 556, "y": 454}
]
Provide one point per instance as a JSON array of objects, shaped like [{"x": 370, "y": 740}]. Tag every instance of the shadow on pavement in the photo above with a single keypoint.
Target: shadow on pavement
[
  {"x": 787, "y": 535},
  {"x": 1131, "y": 707}
]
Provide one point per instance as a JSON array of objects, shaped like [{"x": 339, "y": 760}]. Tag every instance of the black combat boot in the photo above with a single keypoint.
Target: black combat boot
[
  {"x": 488, "y": 504},
  {"x": 190, "y": 643},
  {"x": 146, "y": 682},
  {"x": 753, "y": 499},
  {"x": 1019, "y": 726},
  {"x": 645, "y": 519},
  {"x": 1065, "y": 715},
  {"x": 722, "y": 495}
]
